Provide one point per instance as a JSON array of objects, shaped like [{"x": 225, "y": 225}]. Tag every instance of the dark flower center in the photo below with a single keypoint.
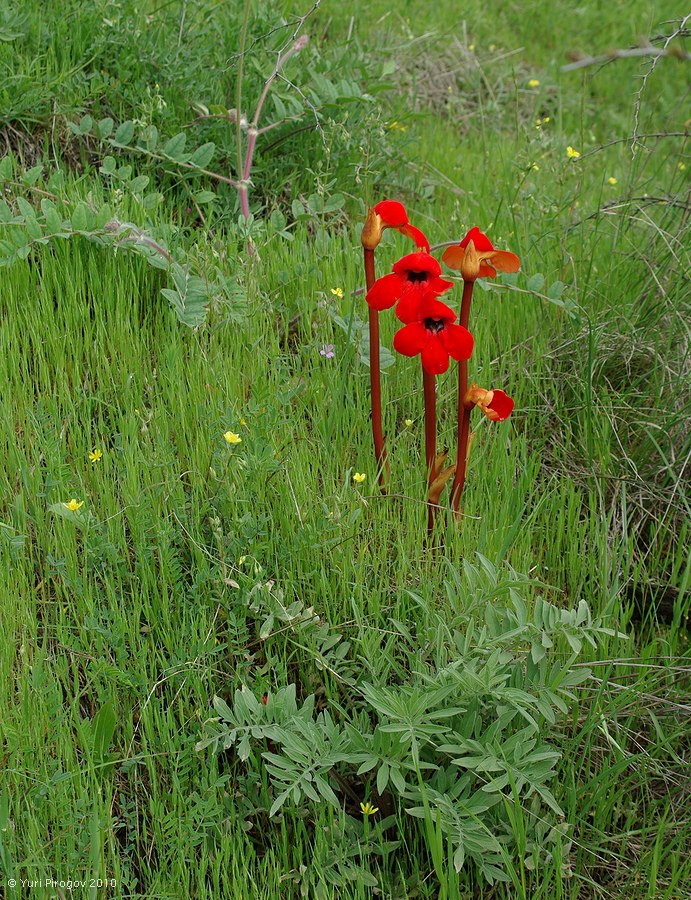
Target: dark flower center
[
  {"x": 417, "y": 277},
  {"x": 434, "y": 325}
]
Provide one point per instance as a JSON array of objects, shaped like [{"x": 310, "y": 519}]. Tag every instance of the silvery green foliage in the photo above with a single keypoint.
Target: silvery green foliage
[
  {"x": 460, "y": 739},
  {"x": 25, "y": 228}
]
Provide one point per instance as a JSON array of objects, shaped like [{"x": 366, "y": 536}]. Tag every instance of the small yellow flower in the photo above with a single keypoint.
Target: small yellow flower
[
  {"x": 492, "y": 47},
  {"x": 571, "y": 153},
  {"x": 95, "y": 455},
  {"x": 337, "y": 292},
  {"x": 408, "y": 423},
  {"x": 359, "y": 477},
  {"x": 73, "y": 505},
  {"x": 471, "y": 47},
  {"x": 533, "y": 83},
  {"x": 545, "y": 121},
  {"x": 611, "y": 180},
  {"x": 368, "y": 810},
  {"x": 681, "y": 166},
  {"x": 241, "y": 561},
  {"x": 232, "y": 438},
  {"x": 535, "y": 167},
  {"x": 242, "y": 421}
]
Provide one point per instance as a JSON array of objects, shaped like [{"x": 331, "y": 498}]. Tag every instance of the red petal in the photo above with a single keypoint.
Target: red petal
[
  {"x": 458, "y": 341},
  {"x": 432, "y": 308},
  {"x": 392, "y": 212},
  {"x": 506, "y": 261},
  {"x": 480, "y": 240},
  {"x": 410, "y": 340},
  {"x": 435, "y": 359},
  {"x": 486, "y": 271},
  {"x": 502, "y": 405},
  {"x": 408, "y": 305},
  {"x": 412, "y": 232},
  {"x": 385, "y": 292},
  {"x": 439, "y": 285},
  {"x": 417, "y": 262}
]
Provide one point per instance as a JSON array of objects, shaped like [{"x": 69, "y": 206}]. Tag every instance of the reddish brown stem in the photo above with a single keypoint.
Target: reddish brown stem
[
  {"x": 463, "y": 413},
  {"x": 430, "y": 395},
  {"x": 375, "y": 380}
]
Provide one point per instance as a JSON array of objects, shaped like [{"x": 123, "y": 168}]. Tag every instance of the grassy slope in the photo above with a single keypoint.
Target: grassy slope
[{"x": 134, "y": 612}]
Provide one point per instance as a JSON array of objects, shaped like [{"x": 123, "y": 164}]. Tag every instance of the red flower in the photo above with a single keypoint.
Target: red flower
[
  {"x": 431, "y": 332},
  {"x": 390, "y": 214},
  {"x": 496, "y": 405},
  {"x": 474, "y": 255},
  {"x": 413, "y": 276}
]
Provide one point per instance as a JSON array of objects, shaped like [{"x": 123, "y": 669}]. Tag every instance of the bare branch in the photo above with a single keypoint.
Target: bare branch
[{"x": 632, "y": 52}]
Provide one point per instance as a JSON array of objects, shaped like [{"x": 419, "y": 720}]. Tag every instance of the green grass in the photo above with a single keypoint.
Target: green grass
[{"x": 142, "y": 604}]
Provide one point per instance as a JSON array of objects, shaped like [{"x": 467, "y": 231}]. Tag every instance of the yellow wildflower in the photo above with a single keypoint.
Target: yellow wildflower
[
  {"x": 242, "y": 420},
  {"x": 471, "y": 47},
  {"x": 232, "y": 438},
  {"x": 681, "y": 166},
  {"x": 337, "y": 292},
  {"x": 408, "y": 423},
  {"x": 241, "y": 561},
  {"x": 535, "y": 167},
  {"x": 359, "y": 477},
  {"x": 571, "y": 153},
  {"x": 533, "y": 83},
  {"x": 73, "y": 505},
  {"x": 611, "y": 180},
  {"x": 368, "y": 810},
  {"x": 95, "y": 455}
]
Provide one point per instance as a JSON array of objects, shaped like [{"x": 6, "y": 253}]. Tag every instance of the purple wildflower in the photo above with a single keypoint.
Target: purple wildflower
[{"x": 327, "y": 350}]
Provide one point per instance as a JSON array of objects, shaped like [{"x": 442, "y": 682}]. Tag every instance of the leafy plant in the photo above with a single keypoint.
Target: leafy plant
[{"x": 461, "y": 744}]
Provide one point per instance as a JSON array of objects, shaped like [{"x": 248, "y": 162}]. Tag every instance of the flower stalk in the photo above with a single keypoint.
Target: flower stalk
[
  {"x": 463, "y": 413},
  {"x": 429, "y": 387},
  {"x": 383, "y": 470}
]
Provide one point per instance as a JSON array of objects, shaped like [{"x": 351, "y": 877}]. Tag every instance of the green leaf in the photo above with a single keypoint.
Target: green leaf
[
  {"x": 108, "y": 166},
  {"x": 203, "y": 155},
  {"x": 124, "y": 134},
  {"x": 52, "y": 217},
  {"x": 102, "y": 730},
  {"x": 205, "y": 197},
  {"x": 31, "y": 176},
  {"x": 555, "y": 290},
  {"x": 85, "y": 124},
  {"x": 266, "y": 628},
  {"x": 80, "y": 217},
  {"x": 104, "y": 128},
  {"x": 223, "y": 709},
  {"x": 138, "y": 184},
  {"x": 6, "y": 168},
  {"x": 536, "y": 283},
  {"x": 175, "y": 147},
  {"x": 150, "y": 137}
]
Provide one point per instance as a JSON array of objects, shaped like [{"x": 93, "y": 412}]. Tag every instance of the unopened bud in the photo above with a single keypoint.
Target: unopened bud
[
  {"x": 372, "y": 230},
  {"x": 470, "y": 267}
]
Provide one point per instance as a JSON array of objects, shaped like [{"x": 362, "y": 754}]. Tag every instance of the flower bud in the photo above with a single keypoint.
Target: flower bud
[
  {"x": 470, "y": 267},
  {"x": 372, "y": 230}
]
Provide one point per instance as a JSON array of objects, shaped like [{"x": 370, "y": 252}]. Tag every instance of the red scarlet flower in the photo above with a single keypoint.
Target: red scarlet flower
[
  {"x": 390, "y": 214},
  {"x": 496, "y": 405},
  {"x": 474, "y": 255},
  {"x": 431, "y": 332},
  {"x": 414, "y": 275}
]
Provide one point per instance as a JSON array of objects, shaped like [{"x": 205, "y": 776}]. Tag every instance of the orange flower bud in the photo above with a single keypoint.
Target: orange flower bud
[{"x": 372, "y": 230}]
